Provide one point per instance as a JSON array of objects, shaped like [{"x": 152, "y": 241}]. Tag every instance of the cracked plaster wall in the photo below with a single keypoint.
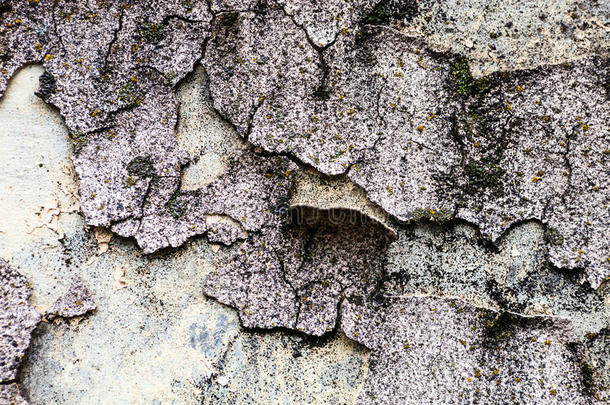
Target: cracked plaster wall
[
  {"x": 332, "y": 164},
  {"x": 154, "y": 338}
]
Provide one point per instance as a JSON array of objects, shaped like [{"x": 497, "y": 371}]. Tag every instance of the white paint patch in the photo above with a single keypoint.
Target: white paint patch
[
  {"x": 34, "y": 161},
  {"x": 203, "y": 134}
]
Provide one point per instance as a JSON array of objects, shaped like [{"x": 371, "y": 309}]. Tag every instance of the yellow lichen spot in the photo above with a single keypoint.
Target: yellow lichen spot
[
  {"x": 509, "y": 107},
  {"x": 261, "y": 98},
  {"x": 547, "y": 342},
  {"x": 536, "y": 179},
  {"x": 553, "y": 392},
  {"x": 48, "y": 56},
  {"x": 517, "y": 379},
  {"x": 420, "y": 128},
  {"x": 421, "y": 63},
  {"x": 519, "y": 89},
  {"x": 496, "y": 371},
  {"x": 477, "y": 144}
]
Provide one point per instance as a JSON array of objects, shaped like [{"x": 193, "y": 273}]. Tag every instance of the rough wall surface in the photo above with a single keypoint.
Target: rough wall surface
[{"x": 395, "y": 195}]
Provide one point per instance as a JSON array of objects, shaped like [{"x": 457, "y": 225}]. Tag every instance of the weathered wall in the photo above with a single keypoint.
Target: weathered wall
[{"x": 289, "y": 202}]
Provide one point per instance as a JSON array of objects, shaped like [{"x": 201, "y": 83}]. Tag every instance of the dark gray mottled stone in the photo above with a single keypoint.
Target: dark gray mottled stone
[
  {"x": 418, "y": 132},
  {"x": 595, "y": 364},
  {"x": 226, "y": 232},
  {"x": 467, "y": 354},
  {"x": 26, "y": 35},
  {"x": 438, "y": 261}
]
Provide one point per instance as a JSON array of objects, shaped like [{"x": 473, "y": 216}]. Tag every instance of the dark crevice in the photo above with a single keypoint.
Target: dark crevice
[
  {"x": 59, "y": 37},
  {"x": 323, "y": 91},
  {"x": 115, "y": 36}
]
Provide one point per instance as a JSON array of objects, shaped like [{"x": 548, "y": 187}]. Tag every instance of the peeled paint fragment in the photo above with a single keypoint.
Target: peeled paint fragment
[
  {"x": 224, "y": 229},
  {"x": 296, "y": 275},
  {"x": 76, "y": 301},
  {"x": 17, "y": 320}
]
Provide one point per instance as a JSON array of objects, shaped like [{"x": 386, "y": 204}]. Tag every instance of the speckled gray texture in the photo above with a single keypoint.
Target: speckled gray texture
[
  {"x": 26, "y": 34},
  {"x": 17, "y": 320},
  {"x": 455, "y": 262},
  {"x": 547, "y": 304},
  {"x": 305, "y": 372},
  {"x": 10, "y": 395},
  {"x": 490, "y": 113},
  {"x": 595, "y": 364},
  {"x": 110, "y": 72},
  {"x": 77, "y": 301},
  {"x": 431, "y": 350},
  {"x": 500, "y": 35},
  {"x": 224, "y": 229}
]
